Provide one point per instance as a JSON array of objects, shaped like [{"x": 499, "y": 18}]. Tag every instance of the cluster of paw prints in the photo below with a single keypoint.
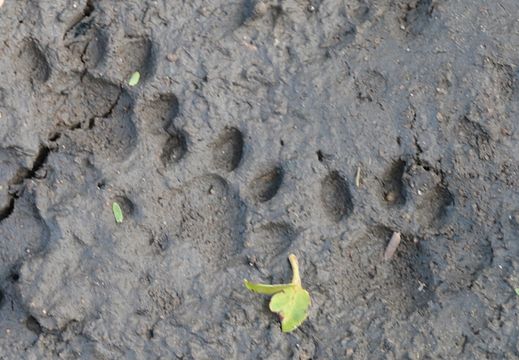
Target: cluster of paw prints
[{"x": 98, "y": 115}]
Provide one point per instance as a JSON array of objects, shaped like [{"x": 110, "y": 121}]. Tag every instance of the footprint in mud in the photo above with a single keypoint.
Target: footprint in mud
[
  {"x": 12, "y": 170},
  {"x": 22, "y": 233},
  {"x": 54, "y": 287},
  {"x": 362, "y": 277},
  {"x": 111, "y": 137},
  {"x": 84, "y": 38},
  {"x": 157, "y": 117},
  {"x": 393, "y": 190},
  {"x": 371, "y": 86},
  {"x": 435, "y": 205},
  {"x": 211, "y": 213},
  {"x": 266, "y": 185},
  {"x": 476, "y": 137},
  {"x": 336, "y": 197},
  {"x": 417, "y": 15},
  {"x": 158, "y": 114},
  {"x": 93, "y": 97},
  {"x": 32, "y": 65},
  {"x": 211, "y": 218},
  {"x": 175, "y": 147},
  {"x": 267, "y": 245},
  {"x": 228, "y": 150},
  {"x": 432, "y": 197},
  {"x": 129, "y": 55}
]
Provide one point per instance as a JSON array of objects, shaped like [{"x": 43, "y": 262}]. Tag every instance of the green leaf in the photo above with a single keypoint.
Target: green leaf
[
  {"x": 290, "y": 301},
  {"x": 118, "y": 213},
  {"x": 292, "y": 306},
  {"x": 264, "y": 288},
  {"x": 134, "y": 79},
  {"x": 517, "y": 291}
]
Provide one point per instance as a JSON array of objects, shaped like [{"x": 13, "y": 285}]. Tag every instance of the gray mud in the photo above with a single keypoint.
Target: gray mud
[{"x": 241, "y": 144}]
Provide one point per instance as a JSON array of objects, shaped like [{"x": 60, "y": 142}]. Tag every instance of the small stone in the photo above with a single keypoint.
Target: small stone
[
  {"x": 260, "y": 9},
  {"x": 391, "y": 196},
  {"x": 171, "y": 57}
]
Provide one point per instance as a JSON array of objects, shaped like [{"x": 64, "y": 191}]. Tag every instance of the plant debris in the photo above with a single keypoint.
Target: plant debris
[
  {"x": 392, "y": 245},
  {"x": 290, "y": 301},
  {"x": 357, "y": 177},
  {"x": 134, "y": 79},
  {"x": 118, "y": 213}
]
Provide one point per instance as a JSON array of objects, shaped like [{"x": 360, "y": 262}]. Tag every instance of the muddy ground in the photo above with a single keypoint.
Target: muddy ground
[{"x": 241, "y": 144}]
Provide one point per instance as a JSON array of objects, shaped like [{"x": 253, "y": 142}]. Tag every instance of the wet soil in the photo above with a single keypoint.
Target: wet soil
[{"x": 259, "y": 128}]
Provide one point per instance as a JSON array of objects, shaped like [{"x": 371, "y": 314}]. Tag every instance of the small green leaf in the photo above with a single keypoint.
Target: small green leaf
[
  {"x": 118, "y": 213},
  {"x": 134, "y": 79},
  {"x": 517, "y": 291},
  {"x": 292, "y": 306},
  {"x": 290, "y": 301},
  {"x": 264, "y": 288}
]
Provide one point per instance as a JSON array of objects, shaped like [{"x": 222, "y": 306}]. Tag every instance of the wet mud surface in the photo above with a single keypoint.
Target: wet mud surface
[{"x": 259, "y": 129}]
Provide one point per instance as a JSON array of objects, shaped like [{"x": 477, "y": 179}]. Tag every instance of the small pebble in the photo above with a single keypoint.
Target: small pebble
[
  {"x": 260, "y": 9},
  {"x": 171, "y": 57},
  {"x": 391, "y": 196}
]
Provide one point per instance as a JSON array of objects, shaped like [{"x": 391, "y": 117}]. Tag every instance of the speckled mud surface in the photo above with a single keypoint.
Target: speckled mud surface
[{"x": 241, "y": 144}]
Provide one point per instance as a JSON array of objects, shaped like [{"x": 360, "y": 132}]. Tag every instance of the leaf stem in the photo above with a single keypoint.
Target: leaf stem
[{"x": 296, "y": 279}]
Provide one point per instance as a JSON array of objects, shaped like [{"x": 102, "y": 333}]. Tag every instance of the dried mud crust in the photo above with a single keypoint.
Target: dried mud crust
[{"x": 258, "y": 129}]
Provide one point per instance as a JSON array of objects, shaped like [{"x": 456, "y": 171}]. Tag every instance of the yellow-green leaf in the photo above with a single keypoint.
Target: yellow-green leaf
[
  {"x": 290, "y": 301},
  {"x": 118, "y": 213},
  {"x": 264, "y": 288},
  {"x": 134, "y": 79},
  {"x": 517, "y": 291},
  {"x": 292, "y": 306}
]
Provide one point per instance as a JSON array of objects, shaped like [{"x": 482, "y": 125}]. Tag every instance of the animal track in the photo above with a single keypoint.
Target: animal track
[
  {"x": 158, "y": 117},
  {"x": 336, "y": 197},
  {"x": 32, "y": 64},
  {"x": 475, "y": 135},
  {"x": 363, "y": 277},
  {"x": 437, "y": 202},
  {"x": 417, "y": 16},
  {"x": 127, "y": 206},
  {"x": 174, "y": 149},
  {"x": 133, "y": 54},
  {"x": 11, "y": 172},
  {"x": 228, "y": 149},
  {"x": 158, "y": 114},
  {"x": 33, "y": 325},
  {"x": 213, "y": 224},
  {"x": 93, "y": 97},
  {"x": 24, "y": 232},
  {"x": 266, "y": 185},
  {"x": 268, "y": 242},
  {"x": 166, "y": 301},
  {"x": 393, "y": 189},
  {"x": 371, "y": 86},
  {"x": 67, "y": 295},
  {"x": 111, "y": 137}
]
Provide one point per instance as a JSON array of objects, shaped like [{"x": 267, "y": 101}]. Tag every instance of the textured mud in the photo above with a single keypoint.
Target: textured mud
[{"x": 259, "y": 128}]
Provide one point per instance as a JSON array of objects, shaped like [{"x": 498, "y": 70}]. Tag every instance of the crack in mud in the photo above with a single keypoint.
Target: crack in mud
[
  {"x": 87, "y": 11},
  {"x": 20, "y": 177}
]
